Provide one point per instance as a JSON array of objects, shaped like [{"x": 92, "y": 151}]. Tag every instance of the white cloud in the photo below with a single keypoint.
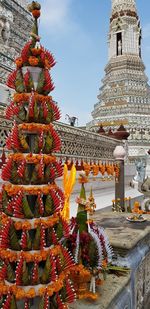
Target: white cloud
[
  {"x": 57, "y": 19},
  {"x": 55, "y": 14}
]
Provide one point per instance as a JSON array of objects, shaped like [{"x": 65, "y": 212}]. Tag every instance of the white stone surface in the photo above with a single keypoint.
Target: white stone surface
[
  {"x": 23, "y": 3},
  {"x": 103, "y": 198},
  {"x": 5, "y": 92}
]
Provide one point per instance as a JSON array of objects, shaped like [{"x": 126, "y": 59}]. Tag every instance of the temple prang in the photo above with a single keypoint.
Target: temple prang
[{"x": 124, "y": 97}]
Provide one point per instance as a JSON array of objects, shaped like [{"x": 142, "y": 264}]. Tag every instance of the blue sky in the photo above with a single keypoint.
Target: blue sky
[{"x": 75, "y": 31}]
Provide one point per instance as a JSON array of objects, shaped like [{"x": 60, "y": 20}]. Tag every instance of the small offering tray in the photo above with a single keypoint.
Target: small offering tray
[{"x": 136, "y": 218}]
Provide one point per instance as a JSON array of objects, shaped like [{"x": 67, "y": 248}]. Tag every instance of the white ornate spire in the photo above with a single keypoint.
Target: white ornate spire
[
  {"x": 118, "y": 5},
  {"x": 124, "y": 97},
  {"x": 125, "y": 31},
  {"x": 23, "y": 3}
]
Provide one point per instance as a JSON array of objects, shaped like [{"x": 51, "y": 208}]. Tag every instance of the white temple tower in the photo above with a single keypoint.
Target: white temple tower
[
  {"x": 15, "y": 25},
  {"x": 124, "y": 97}
]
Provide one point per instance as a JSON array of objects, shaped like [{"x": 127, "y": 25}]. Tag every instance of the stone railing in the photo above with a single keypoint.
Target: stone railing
[
  {"x": 76, "y": 143},
  {"x": 5, "y": 127},
  {"x": 83, "y": 144}
]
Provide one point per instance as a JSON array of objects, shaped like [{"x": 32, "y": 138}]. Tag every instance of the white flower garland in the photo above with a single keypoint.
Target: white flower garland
[
  {"x": 76, "y": 256},
  {"x": 98, "y": 244},
  {"x": 108, "y": 247}
]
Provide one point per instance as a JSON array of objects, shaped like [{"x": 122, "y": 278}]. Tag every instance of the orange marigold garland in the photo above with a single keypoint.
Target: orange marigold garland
[
  {"x": 33, "y": 61},
  {"x": 110, "y": 168},
  {"x": 33, "y": 260},
  {"x": 19, "y": 62}
]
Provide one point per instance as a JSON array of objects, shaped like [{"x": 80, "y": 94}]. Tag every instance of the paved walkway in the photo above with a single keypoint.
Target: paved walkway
[{"x": 103, "y": 198}]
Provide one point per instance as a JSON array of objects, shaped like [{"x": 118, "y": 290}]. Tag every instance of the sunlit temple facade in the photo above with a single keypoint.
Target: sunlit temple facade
[
  {"x": 15, "y": 25},
  {"x": 124, "y": 96}
]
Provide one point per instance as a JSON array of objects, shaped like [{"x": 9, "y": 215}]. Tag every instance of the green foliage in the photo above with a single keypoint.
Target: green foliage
[
  {"x": 63, "y": 293},
  {"x": 4, "y": 200},
  {"x": 49, "y": 206},
  {"x": 19, "y": 83},
  {"x": 62, "y": 260},
  {"x": 26, "y": 208},
  {"x": 36, "y": 144},
  {"x": 50, "y": 114},
  {"x": 81, "y": 220},
  {"x": 47, "y": 173},
  {"x": 14, "y": 174},
  {"x": 23, "y": 142},
  {"x": 53, "y": 302},
  {"x": 41, "y": 82},
  {"x": 13, "y": 304},
  {"x": 29, "y": 242},
  {"x": 10, "y": 273},
  {"x": 25, "y": 274},
  {"x": 14, "y": 243},
  {"x": 1, "y": 301},
  {"x": 82, "y": 192},
  {"x": 35, "y": 177},
  {"x": 80, "y": 256},
  {"x": 36, "y": 212},
  {"x": 22, "y": 113},
  {"x": 42, "y": 303},
  {"x": 30, "y": 85},
  {"x": 35, "y": 275},
  {"x": 45, "y": 278},
  {"x": 49, "y": 237},
  {"x": 41, "y": 116},
  {"x": 26, "y": 175},
  {"x": 117, "y": 270},
  {"x": 1, "y": 264},
  {"x": 93, "y": 253},
  {"x": 36, "y": 242},
  {"x": 36, "y": 112},
  {"x": 59, "y": 230},
  {"x": 82, "y": 196},
  {"x": 48, "y": 143}
]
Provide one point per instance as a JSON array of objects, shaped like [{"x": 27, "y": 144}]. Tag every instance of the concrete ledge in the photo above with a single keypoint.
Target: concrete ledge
[
  {"x": 131, "y": 244},
  {"x": 109, "y": 294},
  {"x": 123, "y": 234}
]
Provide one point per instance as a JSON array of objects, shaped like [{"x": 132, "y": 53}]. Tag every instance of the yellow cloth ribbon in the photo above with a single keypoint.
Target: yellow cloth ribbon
[{"x": 68, "y": 184}]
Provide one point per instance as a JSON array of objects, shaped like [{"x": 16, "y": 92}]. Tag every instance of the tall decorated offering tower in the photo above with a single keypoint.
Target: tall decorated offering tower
[
  {"x": 90, "y": 247},
  {"x": 34, "y": 263}
]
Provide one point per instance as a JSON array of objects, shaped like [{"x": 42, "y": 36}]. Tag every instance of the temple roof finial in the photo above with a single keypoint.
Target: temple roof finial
[{"x": 118, "y": 5}]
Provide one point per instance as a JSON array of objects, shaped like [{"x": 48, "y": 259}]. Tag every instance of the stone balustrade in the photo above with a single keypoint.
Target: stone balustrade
[
  {"x": 83, "y": 144},
  {"x": 76, "y": 143}
]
